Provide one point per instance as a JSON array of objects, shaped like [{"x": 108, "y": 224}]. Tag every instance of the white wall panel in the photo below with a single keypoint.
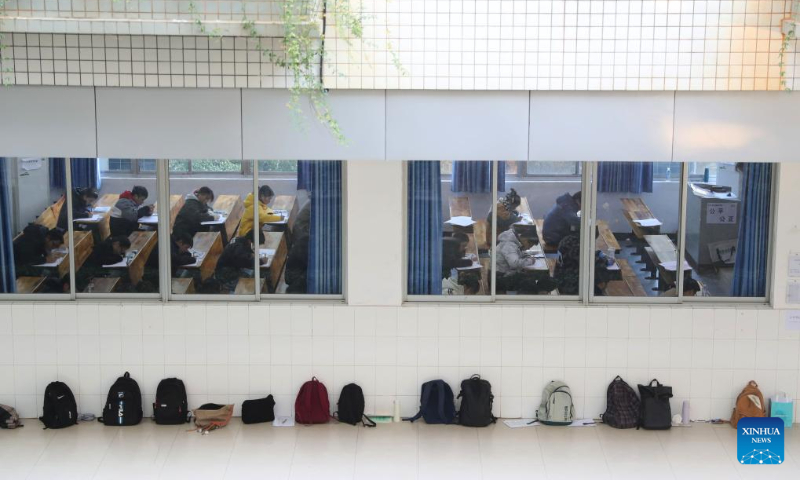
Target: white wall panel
[
  {"x": 601, "y": 126},
  {"x": 438, "y": 125},
  {"x": 47, "y": 122},
  {"x": 737, "y": 127},
  {"x": 169, "y": 123},
  {"x": 271, "y": 131}
]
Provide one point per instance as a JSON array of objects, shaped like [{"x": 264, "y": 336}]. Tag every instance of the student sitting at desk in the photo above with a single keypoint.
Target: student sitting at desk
[
  {"x": 180, "y": 244},
  {"x": 511, "y": 260},
  {"x": 35, "y": 246},
  {"x": 124, "y": 216},
  {"x": 691, "y": 288},
  {"x": 237, "y": 261},
  {"x": 563, "y": 218},
  {"x": 296, "y": 274},
  {"x": 265, "y": 214},
  {"x": 82, "y": 201},
  {"x": 194, "y": 212},
  {"x": 108, "y": 252},
  {"x": 454, "y": 256},
  {"x": 507, "y": 214}
]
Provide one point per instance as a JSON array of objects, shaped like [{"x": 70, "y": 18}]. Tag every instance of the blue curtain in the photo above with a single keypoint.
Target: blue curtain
[
  {"x": 85, "y": 173},
  {"x": 424, "y": 228},
  {"x": 325, "y": 237},
  {"x": 8, "y": 282},
  {"x": 627, "y": 177},
  {"x": 304, "y": 174},
  {"x": 750, "y": 269},
  {"x": 476, "y": 177}
]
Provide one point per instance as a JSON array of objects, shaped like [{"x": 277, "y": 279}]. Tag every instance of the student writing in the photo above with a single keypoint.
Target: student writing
[{"x": 124, "y": 216}]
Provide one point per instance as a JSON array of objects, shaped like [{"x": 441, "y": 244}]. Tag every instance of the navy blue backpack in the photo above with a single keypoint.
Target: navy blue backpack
[{"x": 436, "y": 404}]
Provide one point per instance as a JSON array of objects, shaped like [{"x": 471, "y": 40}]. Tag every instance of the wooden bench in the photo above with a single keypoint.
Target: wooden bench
[
  {"x": 233, "y": 208},
  {"x": 49, "y": 217},
  {"x": 606, "y": 238},
  {"x": 482, "y": 235},
  {"x": 210, "y": 244},
  {"x": 182, "y": 286},
  {"x": 459, "y": 207},
  {"x": 635, "y": 209},
  {"x": 144, "y": 243},
  {"x": 275, "y": 241},
  {"x": 103, "y": 284},
  {"x": 107, "y": 200},
  {"x": 630, "y": 279},
  {"x": 30, "y": 284},
  {"x": 84, "y": 244},
  {"x": 546, "y": 247},
  {"x": 246, "y": 286},
  {"x": 664, "y": 251}
]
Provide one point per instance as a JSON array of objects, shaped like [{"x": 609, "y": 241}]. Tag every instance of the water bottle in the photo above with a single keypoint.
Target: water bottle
[
  {"x": 669, "y": 173},
  {"x": 610, "y": 256}
]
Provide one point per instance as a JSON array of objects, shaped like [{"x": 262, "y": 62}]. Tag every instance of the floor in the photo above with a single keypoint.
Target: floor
[{"x": 390, "y": 451}]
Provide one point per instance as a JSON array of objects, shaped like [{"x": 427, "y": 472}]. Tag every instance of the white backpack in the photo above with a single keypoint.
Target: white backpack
[{"x": 556, "y": 407}]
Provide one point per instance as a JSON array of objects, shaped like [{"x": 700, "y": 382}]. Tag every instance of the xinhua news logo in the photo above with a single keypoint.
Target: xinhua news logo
[{"x": 760, "y": 441}]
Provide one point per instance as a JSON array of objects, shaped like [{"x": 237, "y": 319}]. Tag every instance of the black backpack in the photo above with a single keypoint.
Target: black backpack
[
  {"x": 123, "y": 404},
  {"x": 436, "y": 403},
  {"x": 476, "y": 403},
  {"x": 622, "y": 405},
  {"x": 60, "y": 409},
  {"x": 655, "y": 412},
  {"x": 171, "y": 407},
  {"x": 258, "y": 411},
  {"x": 350, "y": 407}
]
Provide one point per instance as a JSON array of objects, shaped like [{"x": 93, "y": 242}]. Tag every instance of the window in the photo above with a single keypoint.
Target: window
[
  {"x": 553, "y": 168},
  {"x": 119, "y": 165},
  {"x": 210, "y": 166},
  {"x": 277, "y": 166}
]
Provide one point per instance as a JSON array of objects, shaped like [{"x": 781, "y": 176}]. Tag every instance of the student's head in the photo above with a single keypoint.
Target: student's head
[
  {"x": 139, "y": 194},
  {"x": 89, "y": 195},
  {"x": 246, "y": 241},
  {"x": 512, "y": 199},
  {"x": 463, "y": 241},
  {"x": 184, "y": 241},
  {"x": 265, "y": 194},
  {"x": 120, "y": 244},
  {"x": 576, "y": 197},
  {"x": 204, "y": 194},
  {"x": 691, "y": 287},
  {"x": 53, "y": 239}
]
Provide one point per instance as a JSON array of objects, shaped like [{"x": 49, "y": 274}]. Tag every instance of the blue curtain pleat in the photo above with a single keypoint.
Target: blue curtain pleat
[
  {"x": 750, "y": 269},
  {"x": 8, "y": 282},
  {"x": 85, "y": 173},
  {"x": 625, "y": 177},
  {"x": 476, "y": 177},
  {"x": 325, "y": 237},
  {"x": 304, "y": 175},
  {"x": 424, "y": 228}
]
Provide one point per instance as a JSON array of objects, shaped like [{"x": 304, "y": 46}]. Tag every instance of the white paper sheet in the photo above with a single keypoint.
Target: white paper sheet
[
  {"x": 121, "y": 264},
  {"x": 792, "y": 320},
  {"x": 539, "y": 264},
  {"x": 648, "y": 222},
  {"x": 218, "y": 221},
  {"x": 521, "y": 423},
  {"x": 673, "y": 265},
  {"x": 793, "y": 293},
  {"x": 92, "y": 219},
  {"x": 584, "y": 422},
  {"x": 794, "y": 265},
  {"x": 283, "y": 422},
  {"x": 613, "y": 267},
  {"x": 149, "y": 220},
  {"x": 266, "y": 251},
  {"x": 54, "y": 263},
  {"x": 474, "y": 266},
  {"x": 461, "y": 221}
]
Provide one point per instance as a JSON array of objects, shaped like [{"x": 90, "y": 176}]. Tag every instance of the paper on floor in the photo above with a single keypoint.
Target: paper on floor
[
  {"x": 521, "y": 422},
  {"x": 283, "y": 422},
  {"x": 584, "y": 422}
]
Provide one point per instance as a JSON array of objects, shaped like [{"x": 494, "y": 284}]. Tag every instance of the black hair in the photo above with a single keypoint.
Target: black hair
[
  {"x": 55, "y": 234},
  {"x": 87, "y": 192},
  {"x": 140, "y": 191},
  {"x": 183, "y": 237},
  {"x": 576, "y": 196},
  {"x": 265, "y": 191},
  {"x": 461, "y": 237},
  {"x": 690, "y": 284},
  {"x": 205, "y": 191},
  {"x": 513, "y": 198},
  {"x": 470, "y": 282},
  {"x": 122, "y": 240},
  {"x": 244, "y": 238}
]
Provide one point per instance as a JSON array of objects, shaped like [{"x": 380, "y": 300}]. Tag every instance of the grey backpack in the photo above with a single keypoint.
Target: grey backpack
[
  {"x": 556, "y": 407},
  {"x": 9, "y": 417}
]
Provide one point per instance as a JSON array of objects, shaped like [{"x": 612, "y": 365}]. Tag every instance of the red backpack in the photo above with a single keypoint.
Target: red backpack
[{"x": 312, "y": 405}]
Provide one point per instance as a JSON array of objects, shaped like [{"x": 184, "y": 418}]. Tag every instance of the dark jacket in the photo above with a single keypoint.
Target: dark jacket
[
  {"x": 79, "y": 209},
  {"x": 296, "y": 274},
  {"x": 451, "y": 256},
  {"x": 191, "y": 215},
  {"x": 103, "y": 254},
  {"x": 562, "y": 219},
  {"x": 178, "y": 259},
  {"x": 238, "y": 254},
  {"x": 29, "y": 247},
  {"x": 124, "y": 217}
]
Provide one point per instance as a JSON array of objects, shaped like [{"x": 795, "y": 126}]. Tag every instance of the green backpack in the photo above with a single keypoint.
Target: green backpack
[{"x": 556, "y": 407}]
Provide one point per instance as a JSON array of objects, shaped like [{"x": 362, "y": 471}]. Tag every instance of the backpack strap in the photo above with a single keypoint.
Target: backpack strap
[
  {"x": 426, "y": 395},
  {"x": 369, "y": 422},
  {"x": 441, "y": 400}
]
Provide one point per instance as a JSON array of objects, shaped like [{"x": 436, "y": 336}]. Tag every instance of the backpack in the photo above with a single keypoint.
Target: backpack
[
  {"x": 622, "y": 405},
  {"x": 312, "y": 404},
  {"x": 476, "y": 403},
  {"x": 60, "y": 409},
  {"x": 350, "y": 407},
  {"x": 436, "y": 403},
  {"x": 556, "y": 407},
  {"x": 9, "y": 418},
  {"x": 123, "y": 404},
  {"x": 749, "y": 403},
  {"x": 171, "y": 407},
  {"x": 258, "y": 411},
  {"x": 211, "y": 416},
  {"x": 655, "y": 411}
]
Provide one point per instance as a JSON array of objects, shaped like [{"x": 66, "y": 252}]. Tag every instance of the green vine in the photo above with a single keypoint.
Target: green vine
[
  {"x": 788, "y": 37},
  {"x": 7, "y": 71}
]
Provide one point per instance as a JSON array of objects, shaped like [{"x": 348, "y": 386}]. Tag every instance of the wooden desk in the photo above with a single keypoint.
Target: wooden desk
[
  {"x": 144, "y": 242},
  {"x": 482, "y": 235},
  {"x": 49, "y": 217},
  {"x": 104, "y": 284},
  {"x": 175, "y": 204},
  {"x": 246, "y": 286},
  {"x": 546, "y": 247},
  {"x": 636, "y": 209},
  {"x": 182, "y": 286},
  {"x": 630, "y": 279},
  {"x": 30, "y": 284},
  {"x": 233, "y": 208},
  {"x": 459, "y": 207},
  {"x": 107, "y": 200},
  {"x": 275, "y": 241},
  {"x": 210, "y": 243},
  {"x": 285, "y": 203},
  {"x": 665, "y": 251},
  {"x": 84, "y": 243},
  {"x": 526, "y": 225},
  {"x": 606, "y": 238}
]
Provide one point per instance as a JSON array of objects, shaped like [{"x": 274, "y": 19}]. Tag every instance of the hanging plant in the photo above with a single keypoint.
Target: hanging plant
[
  {"x": 7, "y": 71},
  {"x": 788, "y": 26}
]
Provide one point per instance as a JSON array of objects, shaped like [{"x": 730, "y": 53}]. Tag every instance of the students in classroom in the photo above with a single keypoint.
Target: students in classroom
[
  {"x": 35, "y": 246},
  {"x": 83, "y": 200},
  {"x": 236, "y": 261},
  {"x": 125, "y": 214},
  {"x": 563, "y": 218},
  {"x": 180, "y": 244},
  {"x": 265, "y": 213},
  {"x": 194, "y": 212}
]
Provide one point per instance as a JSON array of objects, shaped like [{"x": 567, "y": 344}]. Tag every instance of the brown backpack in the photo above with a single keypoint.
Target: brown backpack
[{"x": 749, "y": 403}]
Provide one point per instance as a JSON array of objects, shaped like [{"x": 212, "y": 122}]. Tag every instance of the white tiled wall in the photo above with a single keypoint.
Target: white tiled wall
[
  {"x": 437, "y": 44},
  {"x": 230, "y": 352}
]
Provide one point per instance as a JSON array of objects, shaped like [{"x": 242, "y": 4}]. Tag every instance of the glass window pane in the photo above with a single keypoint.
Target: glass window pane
[
  {"x": 147, "y": 165},
  {"x": 448, "y": 228},
  {"x": 637, "y": 231},
  {"x": 277, "y": 166},
  {"x": 116, "y": 238},
  {"x": 728, "y": 229},
  {"x": 538, "y": 232},
  {"x": 34, "y": 252},
  {"x": 207, "y": 253}
]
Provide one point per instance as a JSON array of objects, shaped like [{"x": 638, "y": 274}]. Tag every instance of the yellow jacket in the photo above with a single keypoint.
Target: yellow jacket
[{"x": 265, "y": 215}]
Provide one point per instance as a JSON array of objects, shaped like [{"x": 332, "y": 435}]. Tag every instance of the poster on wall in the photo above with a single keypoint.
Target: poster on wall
[
  {"x": 29, "y": 164},
  {"x": 721, "y": 213},
  {"x": 794, "y": 265}
]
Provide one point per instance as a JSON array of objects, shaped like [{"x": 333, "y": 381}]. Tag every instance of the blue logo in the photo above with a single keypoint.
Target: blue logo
[{"x": 760, "y": 441}]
